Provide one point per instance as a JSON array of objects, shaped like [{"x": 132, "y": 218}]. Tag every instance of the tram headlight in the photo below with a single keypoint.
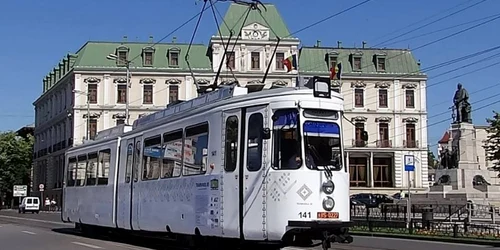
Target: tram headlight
[
  {"x": 328, "y": 187},
  {"x": 328, "y": 203}
]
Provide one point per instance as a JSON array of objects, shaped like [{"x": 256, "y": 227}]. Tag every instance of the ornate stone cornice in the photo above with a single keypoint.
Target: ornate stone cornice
[
  {"x": 335, "y": 84},
  {"x": 410, "y": 120},
  {"x": 173, "y": 81},
  {"x": 382, "y": 85},
  {"x": 119, "y": 116},
  {"x": 92, "y": 80},
  {"x": 280, "y": 83},
  {"x": 409, "y": 85},
  {"x": 359, "y": 119},
  {"x": 254, "y": 82},
  {"x": 93, "y": 115},
  {"x": 383, "y": 119},
  {"x": 147, "y": 81},
  {"x": 203, "y": 81},
  {"x": 358, "y": 84},
  {"x": 228, "y": 82},
  {"x": 120, "y": 80}
]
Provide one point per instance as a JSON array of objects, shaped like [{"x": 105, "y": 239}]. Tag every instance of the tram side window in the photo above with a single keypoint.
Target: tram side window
[
  {"x": 254, "y": 144},
  {"x": 231, "y": 144},
  {"x": 151, "y": 158},
  {"x": 103, "y": 168},
  {"x": 137, "y": 161},
  {"x": 172, "y": 156},
  {"x": 91, "y": 169},
  {"x": 71, "y": 172},
  {"x": 80, "y": 171},
  {"x": 130, "y": 158},
  {"x": 195, "y": 150}
]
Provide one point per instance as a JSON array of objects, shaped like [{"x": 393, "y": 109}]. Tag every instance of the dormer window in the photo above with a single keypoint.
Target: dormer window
[
  {"x": 173, "y": 57},
  {"x": 147, "y": 56},
  {"x": 332, "y": 61},
  {"x": 380, "y": 63},
  {"x": 356, "y": 63},
  {"x": 122, "y": 53}
]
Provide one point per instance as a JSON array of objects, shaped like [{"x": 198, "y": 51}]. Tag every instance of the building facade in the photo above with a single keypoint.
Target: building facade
[{"x": 387, "y": 98}]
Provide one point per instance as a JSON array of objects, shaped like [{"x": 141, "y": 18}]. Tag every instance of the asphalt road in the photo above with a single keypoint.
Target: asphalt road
[{"x": 46, "y": 231}]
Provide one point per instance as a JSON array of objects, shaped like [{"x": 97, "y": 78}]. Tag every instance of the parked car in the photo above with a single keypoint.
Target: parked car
[
  {"x": 30, "y": 204},
  {"x": 371, "y": 200}
]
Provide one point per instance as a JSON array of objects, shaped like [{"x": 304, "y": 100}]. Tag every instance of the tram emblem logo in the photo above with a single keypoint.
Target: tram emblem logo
[{"x": 304, "y": 192}]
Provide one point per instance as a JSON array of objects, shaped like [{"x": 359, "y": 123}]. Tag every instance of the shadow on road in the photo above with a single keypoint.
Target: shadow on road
[{"x": 128, "y": 240}]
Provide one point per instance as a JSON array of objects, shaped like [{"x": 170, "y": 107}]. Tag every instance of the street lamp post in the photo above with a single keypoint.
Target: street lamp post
[
  {"x": 127, "y": 66},
  {"x": 87, "y": 134}
]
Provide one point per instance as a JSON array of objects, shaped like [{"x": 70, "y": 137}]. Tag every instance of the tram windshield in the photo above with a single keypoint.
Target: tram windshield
[{"x": 321, "y": 143}]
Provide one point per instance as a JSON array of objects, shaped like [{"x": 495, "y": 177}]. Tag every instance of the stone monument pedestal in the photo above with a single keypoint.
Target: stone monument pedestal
[{"x": 465, "y": 178}]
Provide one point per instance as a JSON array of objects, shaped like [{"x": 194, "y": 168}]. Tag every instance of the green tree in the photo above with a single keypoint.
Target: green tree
[
  {"x": 492, "y": 144},
  {"x": 431, "y": 159},
  {"x": 16, "y": 157}
]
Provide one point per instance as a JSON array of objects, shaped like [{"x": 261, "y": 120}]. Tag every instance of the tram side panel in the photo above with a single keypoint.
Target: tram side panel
[
  {"x": 188, "y": 200},
  {"x": 123, "y": 196},
  {"x": 89, "y": 188}
]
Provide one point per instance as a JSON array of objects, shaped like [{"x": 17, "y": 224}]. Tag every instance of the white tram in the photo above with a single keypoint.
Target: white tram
[{"x": 231, "y": 166}]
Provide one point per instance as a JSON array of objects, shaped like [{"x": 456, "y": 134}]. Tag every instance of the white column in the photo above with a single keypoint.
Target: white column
[
  {"x": 370, "y": 171},
  {"x": 396, "y": 96},
  {"x": 106, "y": 120},
  {"x": 106, "y": 92},
  {"x": 79, "y": 86},
  {"x": 423, "y": 96},
  {"x": 188, "y": 88}
]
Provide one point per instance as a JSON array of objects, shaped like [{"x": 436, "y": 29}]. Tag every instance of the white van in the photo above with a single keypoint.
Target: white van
[{"x": 30, "y": 204}]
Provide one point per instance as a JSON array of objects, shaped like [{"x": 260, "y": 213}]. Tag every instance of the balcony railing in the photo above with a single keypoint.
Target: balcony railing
[
  {"x": 359, "y": 143},
  {"x": 411, "y": 144},
  {"x": 384, "y": 143}
]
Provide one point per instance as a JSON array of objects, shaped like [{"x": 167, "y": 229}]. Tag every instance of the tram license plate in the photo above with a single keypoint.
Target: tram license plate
[{"x": 328, "y": 215}]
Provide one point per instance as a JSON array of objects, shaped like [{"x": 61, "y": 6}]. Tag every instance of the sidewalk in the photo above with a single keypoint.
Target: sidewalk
[{"x": 41, "y": 211}]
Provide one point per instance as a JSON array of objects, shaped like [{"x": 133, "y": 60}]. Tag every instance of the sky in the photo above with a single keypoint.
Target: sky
[{"x": 36, "y": 35}]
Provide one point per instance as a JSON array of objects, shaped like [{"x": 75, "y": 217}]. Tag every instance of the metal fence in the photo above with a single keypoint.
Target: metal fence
[{"x": 444, "y": 220}]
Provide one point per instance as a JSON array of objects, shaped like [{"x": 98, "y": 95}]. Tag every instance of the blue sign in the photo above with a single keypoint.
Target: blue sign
[
  {"x": 321, "y": 127},
  {"x": 409, "y": 163}
]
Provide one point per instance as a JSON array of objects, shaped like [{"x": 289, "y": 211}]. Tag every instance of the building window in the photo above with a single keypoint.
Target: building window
[
  {"x": 359, "y": 128},
  {"x": 120, "y": 121},
  {"x": 381, "y": 64},
  {"x": 173, "y": 58},
  {"x": 382, "y": 98},
  {"x": 92, "y": 91},
  {"x": 410, "y": 98},
  {"x": 231, "y": 145},
  {"x": 122, "y": 93},
  {"x": 230, "y": 60},
  {"x": 148, "y": 58},
  {"x": 358, "y": 172},
  {"x": 122, "y": 57},
  {"x": 173, "y": 93},
  {"x": 410, "y": 136},
  {"x": 147, "y": 96},
  {"x": 93, "y": 128},
  {"x": 255, "y": 60},
  {"x": 383, "y": 130},
  {"x": 333, "y": 62},
  {"x": 382, "y": 172},
  {"x": 356, "y": 63},
  {"x": 358, "y": 98},
  {"x": 280, "y": 57}
]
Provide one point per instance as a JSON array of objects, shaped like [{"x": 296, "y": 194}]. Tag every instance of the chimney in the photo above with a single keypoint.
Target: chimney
[
  {"x": 364, "y": 44},
  {"x": 339, "y": 44},
  {"x": 174, "y": 39},
  {"x": 151, "y": 39},
  {"x": 418, "y": 63},
  {"x": 318, "y": 43}
]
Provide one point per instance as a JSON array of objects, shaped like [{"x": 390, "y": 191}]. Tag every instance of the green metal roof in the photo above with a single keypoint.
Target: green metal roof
[
  {"x": 236, "y": 13},
  {"x": 92, "y": 55},
  {"x": 313, "y": 60}
]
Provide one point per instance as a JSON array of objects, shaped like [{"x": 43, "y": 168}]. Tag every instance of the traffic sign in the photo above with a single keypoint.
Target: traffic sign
[
  {"x": 20, "y": 191},
  {"x": 409, "y": 163},
  {"x": 41, "y": 187}
]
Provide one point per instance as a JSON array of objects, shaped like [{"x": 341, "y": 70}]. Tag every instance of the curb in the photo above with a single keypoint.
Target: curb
[{"x": 494, "y": 243}]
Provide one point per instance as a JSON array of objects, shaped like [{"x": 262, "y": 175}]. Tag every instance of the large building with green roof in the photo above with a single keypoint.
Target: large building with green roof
[{"x": 384, "y": 92}]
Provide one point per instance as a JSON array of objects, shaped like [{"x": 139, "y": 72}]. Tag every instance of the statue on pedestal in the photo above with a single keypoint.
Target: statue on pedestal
[
  {"x": 462, "y": 108},
  {"x": 449, "y": 159}
]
